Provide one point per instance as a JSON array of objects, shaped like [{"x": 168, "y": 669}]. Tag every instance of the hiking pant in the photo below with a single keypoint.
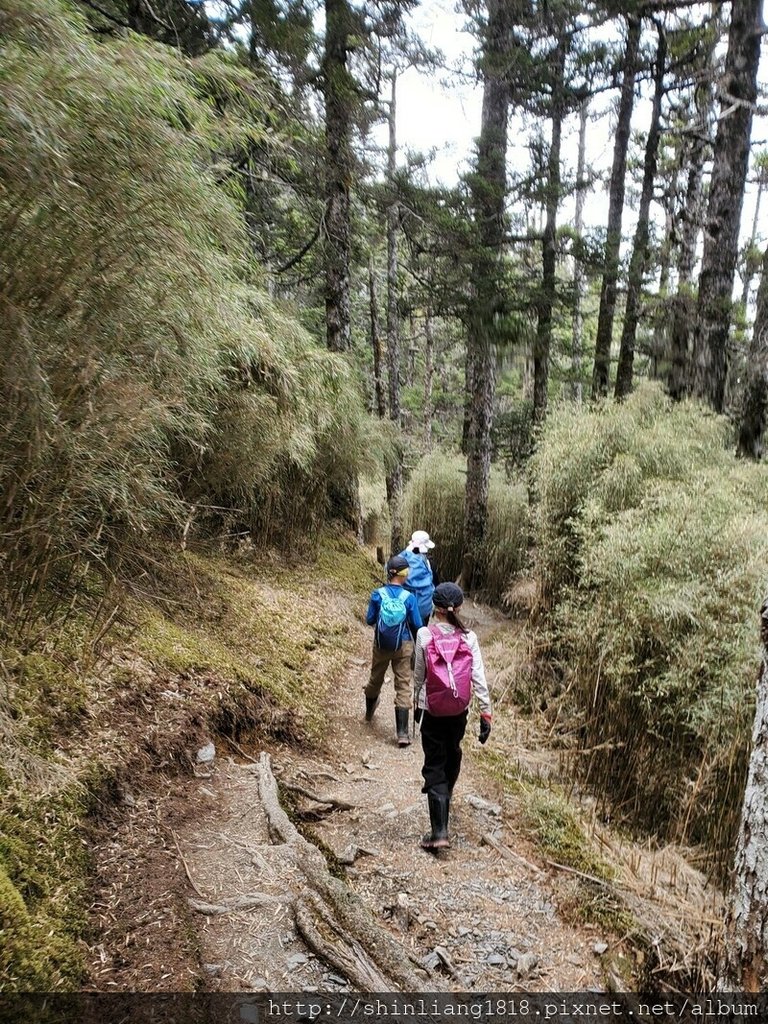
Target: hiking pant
[
  {"x": 441, "y": 740},
  {"x": 400, "y": 660}
]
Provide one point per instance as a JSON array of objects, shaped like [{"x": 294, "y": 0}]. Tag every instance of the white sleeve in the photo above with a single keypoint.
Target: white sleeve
[
  {"x": 419, "y": 665},
  {"x": 479, "y": 682}
]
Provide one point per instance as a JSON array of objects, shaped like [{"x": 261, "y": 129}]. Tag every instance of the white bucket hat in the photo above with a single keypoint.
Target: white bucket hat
[{"x": 420, "y": 541}]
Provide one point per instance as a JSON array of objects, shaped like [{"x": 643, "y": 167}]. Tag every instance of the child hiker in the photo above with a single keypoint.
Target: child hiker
[
  {"x": 448, "y": 671},
  {"x": 421, "y": 578},
  {"x": 394, "y": 612}
]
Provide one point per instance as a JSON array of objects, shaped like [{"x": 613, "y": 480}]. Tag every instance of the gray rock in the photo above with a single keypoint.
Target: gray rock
[
  {"x": 496, "y": 960},
  {"x": 206, "y": 754},
  {"x": 483, "y": 805},
  {"x": 296, "y": 960},
  {"x": 213, "y": 969},
  {"x": 599, "y": 948}
]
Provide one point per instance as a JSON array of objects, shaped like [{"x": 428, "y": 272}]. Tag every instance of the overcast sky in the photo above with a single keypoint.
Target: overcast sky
[{"x": 435, "y": 114}]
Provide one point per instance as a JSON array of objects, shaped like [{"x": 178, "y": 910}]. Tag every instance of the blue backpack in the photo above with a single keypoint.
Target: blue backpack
[{"x": 391, "y": 626}]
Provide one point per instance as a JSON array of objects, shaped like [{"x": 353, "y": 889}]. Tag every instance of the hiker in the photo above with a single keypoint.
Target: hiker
[
  {"x": 448, "y": 671},
  {"x": 394, "y": 612},
  {"x": 421, "y": 578}
]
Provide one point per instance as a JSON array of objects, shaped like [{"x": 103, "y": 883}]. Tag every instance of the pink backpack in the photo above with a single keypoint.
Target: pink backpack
[{"x": 448, "y": 677}]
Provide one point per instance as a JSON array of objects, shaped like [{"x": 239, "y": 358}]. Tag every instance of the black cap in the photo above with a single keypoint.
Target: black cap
[
  {"x": 447, "y": 595},
  {"x": 396, "y": 565}
]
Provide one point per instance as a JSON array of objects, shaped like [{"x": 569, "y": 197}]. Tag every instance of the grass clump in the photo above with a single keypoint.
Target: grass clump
[
  {"x": 652, "y": 545},
  {"x": 434, "y": 501}
]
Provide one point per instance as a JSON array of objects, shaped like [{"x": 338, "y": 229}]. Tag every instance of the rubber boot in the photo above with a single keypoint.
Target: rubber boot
[
  {"x": 439, "y": 807},
  {"x": 401, "y": 723},
  {"x": 371, "y": 703}
]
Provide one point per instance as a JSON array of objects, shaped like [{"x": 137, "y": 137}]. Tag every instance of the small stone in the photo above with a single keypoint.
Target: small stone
[
  {"x": 296, "y": 960},
  {"x": 348, "y": 854},
  {"x": 483, "y": 805},
  {"x": 599, "y": 948},
  {"x": 525, "y": 964},
  {"x": 496, "y": 960},
  {"x": 206, "y": 754},
  {"x": 213, "y": 969},
  {"x": 365, "y": 756},
  {"x": 431, "y": 961}
]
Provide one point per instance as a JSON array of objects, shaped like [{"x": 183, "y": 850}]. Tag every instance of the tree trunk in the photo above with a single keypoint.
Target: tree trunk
[
  {"x": 339, "y": 93},
  {"x": 755, "y": 397},
  {"x": 726, "y": 195},
  {"x": 429, "y": 372},
  {"x": 601, "y": 370},
  {"x": 488, "y": 190},
  {"x": 692, "y": 218},
  {"x": 394, "y": 480},
  {"x": 380, "y": 402},
  {"x": 578, "y": 269},
  {"x": 745, "y": 966},
  {"x": 546, "y": 304},
  {"x": 639, "y": 260}
]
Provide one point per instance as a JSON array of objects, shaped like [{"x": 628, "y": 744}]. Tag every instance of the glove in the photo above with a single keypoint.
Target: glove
[{"x": 485, "y": 728}]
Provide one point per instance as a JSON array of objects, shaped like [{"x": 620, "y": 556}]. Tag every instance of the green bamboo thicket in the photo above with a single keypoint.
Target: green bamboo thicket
[{"x": 652, "y": 542}]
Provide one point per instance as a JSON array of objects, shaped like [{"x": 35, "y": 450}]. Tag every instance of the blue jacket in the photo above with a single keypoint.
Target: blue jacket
[
  {"x": 412, "y": 614},
  {"x": 420, "y": 581}
]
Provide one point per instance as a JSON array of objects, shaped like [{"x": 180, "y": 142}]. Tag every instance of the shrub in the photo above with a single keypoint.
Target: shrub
[
  {"x": 434, "y": 501},
  {"x": 141, "y": 369},
  {"x": 652, "y": 546}
]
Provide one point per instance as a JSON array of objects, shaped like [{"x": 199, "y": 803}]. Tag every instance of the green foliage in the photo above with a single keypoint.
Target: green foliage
[
  {"x": 652, "y": 545},
  {"x": 141, "y": 369},
  {"x": 434, "y": 501}
]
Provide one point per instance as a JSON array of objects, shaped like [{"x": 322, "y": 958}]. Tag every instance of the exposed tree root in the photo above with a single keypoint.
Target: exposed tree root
[{"x": 331, "y": 918}]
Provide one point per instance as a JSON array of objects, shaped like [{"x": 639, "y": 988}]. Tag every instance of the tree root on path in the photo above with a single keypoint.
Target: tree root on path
[{"x": 331, "y": 918}]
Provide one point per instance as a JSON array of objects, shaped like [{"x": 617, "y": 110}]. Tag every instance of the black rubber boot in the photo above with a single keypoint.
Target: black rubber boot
[
  {"x": 371, "y": 703},
  {"x": 401, "y": 723},
  {"x": 439, "y": 808}
]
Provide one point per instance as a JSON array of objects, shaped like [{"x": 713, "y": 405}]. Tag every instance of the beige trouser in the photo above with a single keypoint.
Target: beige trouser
[{"x": 400, "y": 661}]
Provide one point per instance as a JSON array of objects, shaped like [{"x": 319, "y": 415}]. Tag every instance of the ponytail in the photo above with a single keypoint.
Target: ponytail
[{"x": 455, "y": 621}]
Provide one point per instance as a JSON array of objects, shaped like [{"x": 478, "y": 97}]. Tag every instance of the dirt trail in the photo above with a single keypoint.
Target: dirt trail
[{"x": 481, "y": 920}]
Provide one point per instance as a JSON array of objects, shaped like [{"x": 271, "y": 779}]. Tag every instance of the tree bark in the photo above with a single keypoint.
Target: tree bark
[
  {"x": 692, "y": 219},
  {"x": 488, "y": 190},
  {"x": 578, "y": 270},
  {"x": 543, "y": 341},
  {"x": 604, "y": 336},
  {"x": 429, "y": 373},
  {"x": 755, "y": 397},
  {"x": 339, "y": 95},
  {"x": 394, "y": 479},
  {"x": 380, "y": 402},
  {"x": 745, "y": 966},
  {"x": 639, "y": 261},
  {"x": 726, "y": 195}
]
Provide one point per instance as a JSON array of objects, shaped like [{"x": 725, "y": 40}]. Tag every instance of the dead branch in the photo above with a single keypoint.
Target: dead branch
[{"x": 491, "y": 841}]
